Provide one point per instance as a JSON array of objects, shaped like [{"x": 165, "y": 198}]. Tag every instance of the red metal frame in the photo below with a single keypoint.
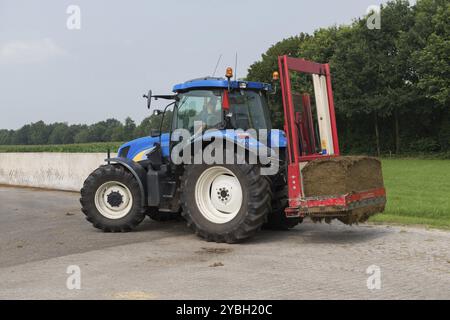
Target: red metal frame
[
  {"x": 340, "y": 202},
  {"x": 308, "y": 133},
  {"x": 298, "y": 204},
  {"x": 336, "y": 205},
  {"x": 295, "y": 189},
  {"x": 285, "y": 64}
]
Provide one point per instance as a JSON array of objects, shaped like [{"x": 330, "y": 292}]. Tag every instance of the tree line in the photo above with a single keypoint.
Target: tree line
[
  {"x": 391, "y": 85},
  {"x": 111, "y": 130}
]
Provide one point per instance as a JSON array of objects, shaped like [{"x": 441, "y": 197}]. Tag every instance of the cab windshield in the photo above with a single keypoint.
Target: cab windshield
[
  {"x": 199, "y": 105},
  {"x": 248, "y": 110}
]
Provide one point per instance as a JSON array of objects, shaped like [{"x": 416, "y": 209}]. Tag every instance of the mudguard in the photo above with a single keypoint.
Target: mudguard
[
  {"x": 276, "y": 140},
  {"x": 138, "y": 172}
]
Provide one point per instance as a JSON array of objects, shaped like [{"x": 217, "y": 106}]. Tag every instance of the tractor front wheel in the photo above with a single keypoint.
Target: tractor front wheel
[
  {"x": 225, "y": 203},
  {"x": 111, "y": 199}
]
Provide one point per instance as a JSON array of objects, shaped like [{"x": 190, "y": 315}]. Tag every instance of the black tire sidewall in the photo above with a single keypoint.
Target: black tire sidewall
[{"x": 109, "y": 174}]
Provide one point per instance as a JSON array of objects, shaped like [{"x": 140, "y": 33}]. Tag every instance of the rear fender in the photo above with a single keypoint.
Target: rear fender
[{"x": 241, "y": 142}]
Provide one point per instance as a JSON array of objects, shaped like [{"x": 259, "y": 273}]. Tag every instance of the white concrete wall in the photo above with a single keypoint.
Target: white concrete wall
[{"x": 62, "y": 171}]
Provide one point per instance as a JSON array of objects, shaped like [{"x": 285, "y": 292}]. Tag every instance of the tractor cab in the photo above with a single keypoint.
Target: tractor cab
[{"x": 221, "y": 104}]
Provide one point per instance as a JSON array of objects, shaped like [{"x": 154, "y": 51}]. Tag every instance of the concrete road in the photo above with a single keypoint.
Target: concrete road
[{"x": 42, "y": 233}]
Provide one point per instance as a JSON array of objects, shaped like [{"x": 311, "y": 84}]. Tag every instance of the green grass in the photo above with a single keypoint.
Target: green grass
[
  {"x": 418, "y": 192},
  {"x": 82, "y": 147}
]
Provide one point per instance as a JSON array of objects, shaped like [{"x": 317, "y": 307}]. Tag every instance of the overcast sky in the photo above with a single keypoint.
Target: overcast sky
[{"x": 51, "y": 73}]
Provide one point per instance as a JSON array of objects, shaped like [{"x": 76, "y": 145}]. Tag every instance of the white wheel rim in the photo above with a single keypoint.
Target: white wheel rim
[
  {"x": 218, "y": 194},
  {"x": 113, "y": 200}
]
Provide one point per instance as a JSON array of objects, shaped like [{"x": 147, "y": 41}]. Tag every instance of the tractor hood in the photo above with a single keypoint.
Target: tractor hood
[{"x": 136, "y": 149}]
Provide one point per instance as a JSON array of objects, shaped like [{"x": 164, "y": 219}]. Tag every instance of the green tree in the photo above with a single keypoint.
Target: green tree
[
  {"x": 262, "y": 70},
  {"x": 5, "y": 136},
  {"x": 38, "y": 133},
  {"x": 117, "y": 134},
  {"x": 129, "y": 129},
  {"x": 21, "y": 135},
  {"x": 73, "y": 131},
  {"x": 370, "y": 75},
  {"x": 59, "y": 134},
  {"x": 431, "y": 36},
  {"x": 82, "y": 136},
  {"x": 320, "y": 47}
]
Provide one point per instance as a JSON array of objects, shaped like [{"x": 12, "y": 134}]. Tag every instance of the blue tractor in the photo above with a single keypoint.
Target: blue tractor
[
  {"x": 222, "y": 167},
  {"x": 220, "y": 202}
]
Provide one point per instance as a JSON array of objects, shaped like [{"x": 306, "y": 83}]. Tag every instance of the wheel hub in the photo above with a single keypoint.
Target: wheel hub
[
  {"x": 223, "y": 194},
  {"x": 115, "y": 199}
]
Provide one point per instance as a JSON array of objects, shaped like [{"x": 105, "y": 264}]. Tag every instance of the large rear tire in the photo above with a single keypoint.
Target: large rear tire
[
  {"x": 111, "y": 199},
  {"x": 277, "y": 219},
  {"x": 225, "y": 203}
]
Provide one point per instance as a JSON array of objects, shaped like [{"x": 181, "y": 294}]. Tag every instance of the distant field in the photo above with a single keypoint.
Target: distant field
[
  {"x": 82, "y": 147},
  {"x": 418, "y": 192}
]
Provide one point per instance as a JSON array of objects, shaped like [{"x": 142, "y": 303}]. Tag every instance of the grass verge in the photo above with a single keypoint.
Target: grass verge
[{"x": 418, "y": 192}]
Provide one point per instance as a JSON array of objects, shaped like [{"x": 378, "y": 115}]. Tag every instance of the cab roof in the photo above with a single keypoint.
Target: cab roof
[{"x": 221, "y": 83}]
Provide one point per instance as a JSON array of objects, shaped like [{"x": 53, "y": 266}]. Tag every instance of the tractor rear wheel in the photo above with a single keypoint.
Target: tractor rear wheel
[
  {"x": 277, "y": 219},
  {"x": 111, "y": 199},
  {"x": 225, "y": 203}
]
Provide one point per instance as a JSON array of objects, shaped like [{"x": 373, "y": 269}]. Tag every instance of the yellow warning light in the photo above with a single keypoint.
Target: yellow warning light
[
  {"x": 229, "y": 72},
  {"x": 275, "y": 76}
]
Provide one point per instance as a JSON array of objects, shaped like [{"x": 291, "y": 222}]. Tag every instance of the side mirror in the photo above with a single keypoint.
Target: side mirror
[
  {"x": 157, "y": 112},
  {"x": 155, "y": 133},
  {"x": 148, "y": 96}
]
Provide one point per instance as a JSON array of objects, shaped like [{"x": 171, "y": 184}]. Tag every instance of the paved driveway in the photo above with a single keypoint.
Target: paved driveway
[{"x": 42, "y": 233}]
